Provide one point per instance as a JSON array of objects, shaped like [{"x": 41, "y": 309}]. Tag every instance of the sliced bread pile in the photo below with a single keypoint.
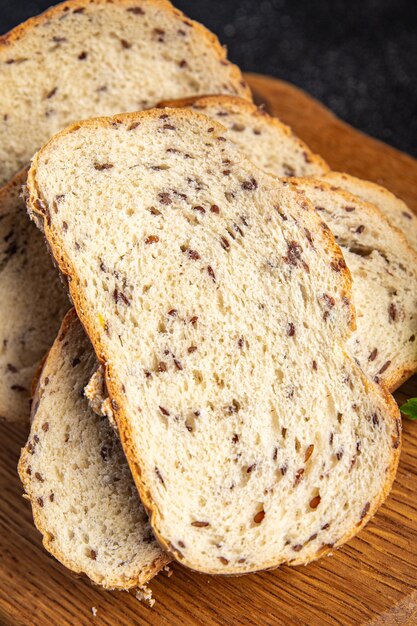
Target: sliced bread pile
[
  {"x": 235, "y": 325},
  {"x": 220, "y": 305},
  {"x": 73, "y": 469},
  {"x": 136, "y": 37},
  {"x": 78, "y": 59}
]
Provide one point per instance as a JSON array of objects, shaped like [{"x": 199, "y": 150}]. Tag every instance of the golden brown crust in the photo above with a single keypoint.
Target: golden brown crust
[
  {"x": 164, "y": 5},
  {"x": 36, "y": 203},
  {"x": 47, "y": 540},
  {"x": 35, "y": 384}
]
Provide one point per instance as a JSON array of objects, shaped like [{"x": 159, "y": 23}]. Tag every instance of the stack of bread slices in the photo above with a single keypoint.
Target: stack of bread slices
[{"x": 219, "y": 394}]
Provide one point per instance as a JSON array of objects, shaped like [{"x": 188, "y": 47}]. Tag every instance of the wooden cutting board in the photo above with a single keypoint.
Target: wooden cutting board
[{"x": 372, "y": 580}]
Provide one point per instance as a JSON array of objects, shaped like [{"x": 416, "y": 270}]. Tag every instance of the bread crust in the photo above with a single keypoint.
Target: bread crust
[
  {"x": 47, "y": 540},
  {"x": 56, "y": 11},
  {"x": 37, "y": 206}
]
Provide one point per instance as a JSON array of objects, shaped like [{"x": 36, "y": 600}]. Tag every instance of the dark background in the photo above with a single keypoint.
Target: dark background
[{"x": 358, "y": 57}]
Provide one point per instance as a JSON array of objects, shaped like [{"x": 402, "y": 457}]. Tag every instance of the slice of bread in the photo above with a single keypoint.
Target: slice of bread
[
  {"x": 219, "y": 304},
  {"x": 32, "y": 301},
  {"x": 393, "y": 208},
  {"x": 270, "y": 144},
  {"x": 384, "y": 272},
  {"x": 94, "y": 57},
  {"x": 76, "y": 477}
]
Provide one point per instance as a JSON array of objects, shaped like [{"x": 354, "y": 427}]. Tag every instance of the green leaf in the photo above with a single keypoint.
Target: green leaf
[{"x": 410, "y": 409}]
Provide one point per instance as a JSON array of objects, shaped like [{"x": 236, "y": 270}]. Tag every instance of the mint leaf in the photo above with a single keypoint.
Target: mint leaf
[{"x": 410, "y": 409}]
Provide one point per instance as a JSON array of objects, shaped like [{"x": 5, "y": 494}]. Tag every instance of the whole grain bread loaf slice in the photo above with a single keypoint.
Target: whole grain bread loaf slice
[
  {"x": 32, "y": 301},
  {"x": 74, "y": 473},
  {"x": 399, "y": 214},
  {"x": 219, "y": 304},
  {"x": 384, "y": 271},
  {"x": 93, "y": 57},
  {"x": 270, "y": 144}
]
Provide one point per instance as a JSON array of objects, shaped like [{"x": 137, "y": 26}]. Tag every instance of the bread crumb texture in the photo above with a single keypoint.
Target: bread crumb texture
[
  {"x": 52, "y": 69},
  {"x": 32, "y": 304},
  {"x": 74, "y": 472},
  {"x": 220, "y": 304},
  {"x": 393, "y": 208},
  {"x": 384, "y": 271},
  {"x": 383, "y": 267},
  {"x": 265, "y": 140}
]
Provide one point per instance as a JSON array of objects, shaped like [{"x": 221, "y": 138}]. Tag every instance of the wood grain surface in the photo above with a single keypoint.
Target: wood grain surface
[{"x": 370, "y": 581}]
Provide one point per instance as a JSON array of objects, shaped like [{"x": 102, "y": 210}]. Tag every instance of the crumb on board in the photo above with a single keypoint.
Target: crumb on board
[
  {"x": 94, "y": 611},
  {"x": 144, "y": 594}
]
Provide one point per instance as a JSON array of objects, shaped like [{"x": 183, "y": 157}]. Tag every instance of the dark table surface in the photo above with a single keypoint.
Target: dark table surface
[{"x": 357, "y": 57}]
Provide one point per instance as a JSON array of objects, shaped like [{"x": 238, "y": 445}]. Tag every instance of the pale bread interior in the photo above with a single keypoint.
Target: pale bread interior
[
  {"x": 393, "y": 208},
  {"x": 92, "y": 57},
  {"x": 32, "y": 301},
  {"x": 75, "y": 474},
  {"x": 265, "y": 140},
  {"x": 254, "y": 439},
  {"x": 384, "y": 272}
]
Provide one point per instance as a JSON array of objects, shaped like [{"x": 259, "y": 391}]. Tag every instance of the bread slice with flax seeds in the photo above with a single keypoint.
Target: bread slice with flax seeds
[
  {"x": 253, "y": 438},
  {"x": 94, "y": 57},
  {"x": 74, "y": 473}
]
